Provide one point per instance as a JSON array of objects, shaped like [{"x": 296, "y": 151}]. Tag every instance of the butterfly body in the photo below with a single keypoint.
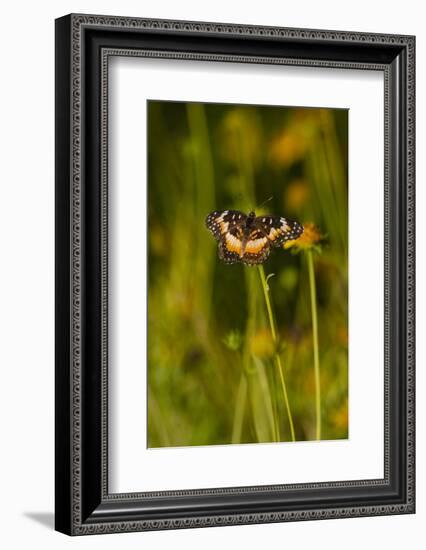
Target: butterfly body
[{"x": 249, "y": 238}]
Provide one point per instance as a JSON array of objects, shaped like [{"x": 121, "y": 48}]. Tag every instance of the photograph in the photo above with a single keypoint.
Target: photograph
[
  {"x": 247, "y": 238},
  {"x": 209, "y": 288},
  {"x": 234, "y": 274}
]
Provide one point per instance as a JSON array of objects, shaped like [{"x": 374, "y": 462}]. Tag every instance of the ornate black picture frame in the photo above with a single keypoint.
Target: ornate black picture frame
[{"x": 84, "y": 44}]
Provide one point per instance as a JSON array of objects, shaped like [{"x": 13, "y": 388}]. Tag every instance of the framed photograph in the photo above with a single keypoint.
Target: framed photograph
[{"x": 234, "y": 274}]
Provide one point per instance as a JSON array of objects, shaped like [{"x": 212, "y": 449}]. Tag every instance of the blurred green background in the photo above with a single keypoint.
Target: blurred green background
[{"x": 212, "y": 378}]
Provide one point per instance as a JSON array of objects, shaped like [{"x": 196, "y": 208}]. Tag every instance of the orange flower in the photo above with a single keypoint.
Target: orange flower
[
  {"x": 291, "y": 144},
  {"x": 287, "y": 148},
  {"x": 310, "y": 237},
  {"x": 297, "y": 194}
]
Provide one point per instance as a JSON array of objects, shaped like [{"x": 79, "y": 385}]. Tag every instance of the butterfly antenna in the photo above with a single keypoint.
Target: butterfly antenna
[{"x": 264, "y": 202}]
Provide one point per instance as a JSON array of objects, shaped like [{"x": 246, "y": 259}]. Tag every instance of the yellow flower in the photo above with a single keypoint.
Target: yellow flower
[
  {"x": 310, "y": 237},
  {"x": 262, "y": 344}
]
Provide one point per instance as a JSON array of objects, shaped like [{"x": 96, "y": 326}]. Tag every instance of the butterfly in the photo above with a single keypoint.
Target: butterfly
[{"x": 249, "y": 239}]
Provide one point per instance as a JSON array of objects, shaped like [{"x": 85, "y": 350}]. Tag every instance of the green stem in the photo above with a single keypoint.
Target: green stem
[
  {"x": 240, "y": 405},
  {"x": 275, "y": 409},
  {"x": 277, "y": 357},
  {"x": 253, "y": 369},
  {"x": 312, "y": 286}
]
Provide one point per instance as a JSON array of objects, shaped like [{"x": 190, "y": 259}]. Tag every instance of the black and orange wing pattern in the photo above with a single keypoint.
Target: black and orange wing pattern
[
  {"x": 221, "y": 223},
  {"x": 249, "y": 243},
  {"x": 227, "y": 228},
  {"x": 257, "y": 247},
  {"x": 277, "y": 229}
]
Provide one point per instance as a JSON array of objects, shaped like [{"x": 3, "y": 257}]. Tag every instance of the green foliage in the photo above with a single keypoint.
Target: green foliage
[
  {"x": 212, "y": 377},
  {"x": 233, "y": 340}
]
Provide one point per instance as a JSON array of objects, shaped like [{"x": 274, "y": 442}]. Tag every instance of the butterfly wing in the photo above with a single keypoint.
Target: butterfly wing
[
  {"x": 227, "y": 228},
  {"x": 239, "y": 244},
  {"x": 277, "y": 229},
  {"x": 221, "y": 223},
  {"x": 226, "y": 255},
  {"x": 257, "y": 248}
]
